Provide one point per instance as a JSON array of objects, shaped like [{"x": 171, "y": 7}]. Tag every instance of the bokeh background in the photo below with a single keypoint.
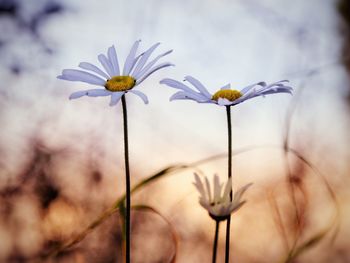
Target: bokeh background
[{"x": 61, "y": 161}]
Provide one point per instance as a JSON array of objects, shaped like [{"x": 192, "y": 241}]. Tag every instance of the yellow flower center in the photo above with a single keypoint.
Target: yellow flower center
[
  {"x": 120, "y": 83},
  {"x": 228, "y": 94}
]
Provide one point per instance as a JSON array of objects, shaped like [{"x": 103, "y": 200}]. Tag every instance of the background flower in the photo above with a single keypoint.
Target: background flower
[
  {"x": 225, "y": 96},
  {"x": 216, "y": 198}
]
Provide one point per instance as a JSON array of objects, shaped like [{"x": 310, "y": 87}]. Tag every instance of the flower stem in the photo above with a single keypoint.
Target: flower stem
[
  {"x": 127, "y": 181},
  {"x": 215, "y": 245},
  {"x": 229, "y": 129}
]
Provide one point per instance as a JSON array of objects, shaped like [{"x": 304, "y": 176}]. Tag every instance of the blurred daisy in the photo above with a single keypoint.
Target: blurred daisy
[
  {"x": 113, "y": 81},
  {"x": 225, "y": 96},
  {"x": 217, "y": 201}
]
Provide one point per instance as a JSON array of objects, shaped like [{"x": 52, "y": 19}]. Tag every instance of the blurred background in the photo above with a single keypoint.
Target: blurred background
[{"x": 61, "y": 161}]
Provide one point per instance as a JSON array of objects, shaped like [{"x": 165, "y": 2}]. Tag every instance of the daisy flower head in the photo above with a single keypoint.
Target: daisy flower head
[
  {"x": 224, "y": 96},
  {"x": 113, "y": 80},
  {"x": 218, "y": 201}
]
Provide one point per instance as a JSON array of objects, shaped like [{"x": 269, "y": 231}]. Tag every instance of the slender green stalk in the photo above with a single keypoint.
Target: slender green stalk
[
  {"x": 229, "y": 173},
  {"x": 215, "y": 245},
  {"x": 127, "y": 181}
]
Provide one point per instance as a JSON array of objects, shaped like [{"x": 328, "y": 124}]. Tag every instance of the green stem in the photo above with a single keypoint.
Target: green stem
[
  {"x": 229, "y": 173},
  {"x": 215, "y": 245},
  {"x": 127, "y": 181}
]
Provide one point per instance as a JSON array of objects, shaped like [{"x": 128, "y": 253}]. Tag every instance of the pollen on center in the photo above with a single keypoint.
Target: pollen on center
[
  {"x": 228, "y": 94},
  {"x": 120, "y": 83}
]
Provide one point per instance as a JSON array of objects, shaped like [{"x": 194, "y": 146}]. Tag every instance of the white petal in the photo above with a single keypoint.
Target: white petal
[
  {"x": 113, "y": 58},
  {"x": 150, "y": 64},
  {"x": 248, "y": 88},
  {"x": 134, "y": 63},
  {"x": 77, "y": 94},
  {"x": 217, "y": 189},
  {"x": 276, "y": 90},
  {"x": 79, "y": 75},
  {"x": 98, "y": 92},
  {"x": 107, "y": 65},
  {"x": 130, "y": 58},
  {"x": 181, "y": 95},
  {"x": 199, "y": 86},
  {"x": 236, "y": 207},
  {"x": 271, "y": 89},
  {"x": 191, "y": 94},
  {"x": 116, "y": 97},
  {"x": 224, "y": 102},
  {"x": 268, "y": 87},
  {"x": 176, "y": 84},
  {"x": 199, "y": 185},
  {"x": 205, "y": 205},
  {"x": 228, "y": 189},
  {"x": 152, "y": 70},
  {"x": 141, "y": 95},
  {"x": 208, "y": 190},
  {"x": 248, "y": 95},
  {"x": 227, "y": 86},
  {"x": 93, "y": 68},
  {"x": 144, "y": 59},
  {"x": 238, "y": 195},
  {"x": 90, "y": 93}
]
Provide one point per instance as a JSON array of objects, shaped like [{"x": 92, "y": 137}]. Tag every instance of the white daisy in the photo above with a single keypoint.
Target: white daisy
[
  {"x": 225, "y": 96},
  {"x": 114, "y": 81},
  {"x": 218, "y": 201}
]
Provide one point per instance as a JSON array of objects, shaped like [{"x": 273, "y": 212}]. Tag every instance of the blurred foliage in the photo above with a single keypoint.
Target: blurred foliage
[
  {"x": 172, "y": 229},
  {"x": 344, "y": 10},
  {"x": 119, "y": 205}
]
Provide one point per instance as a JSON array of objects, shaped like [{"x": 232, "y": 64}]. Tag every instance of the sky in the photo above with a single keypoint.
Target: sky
[{"x": 218, "y": 42}]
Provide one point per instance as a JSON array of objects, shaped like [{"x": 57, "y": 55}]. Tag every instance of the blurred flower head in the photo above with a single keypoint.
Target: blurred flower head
[
  {"x": 218, "y": 201},
  {"x": 114, "y": 81},
  {"x": 225, "y": 96}
]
